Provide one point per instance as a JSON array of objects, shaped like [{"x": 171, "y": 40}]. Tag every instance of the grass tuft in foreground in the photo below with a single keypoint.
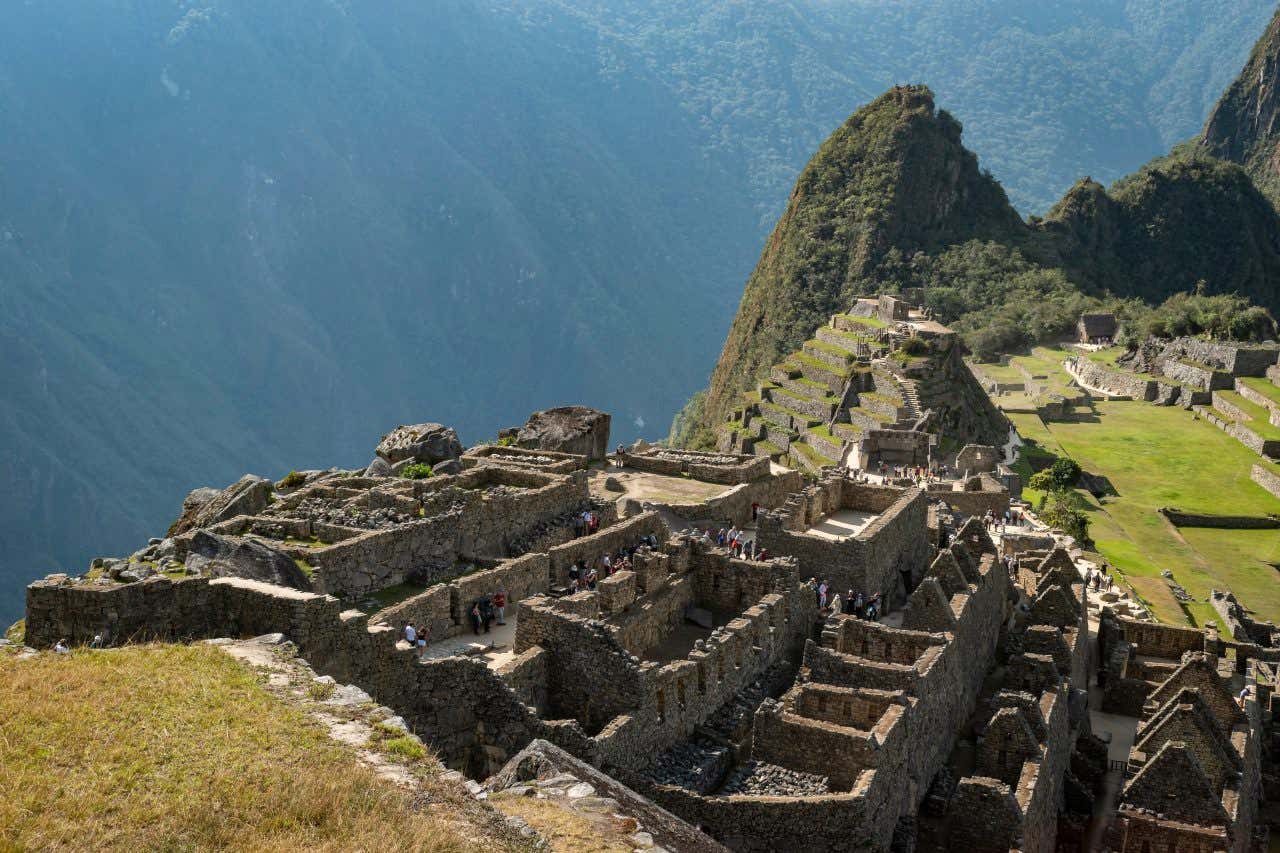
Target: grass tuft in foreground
[{"x": 181, "y": 748}]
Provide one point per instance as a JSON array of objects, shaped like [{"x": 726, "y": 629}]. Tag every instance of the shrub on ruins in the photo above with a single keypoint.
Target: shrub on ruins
[
  {"x": 416, "y": 471},
  {"x": 1062, "y": 510},
  {"x": 1060, "y": 476},
  {"x": 914, "y": 346},
  {"x": 292, "y": 480},
  {"x": 506, "y": 441}
]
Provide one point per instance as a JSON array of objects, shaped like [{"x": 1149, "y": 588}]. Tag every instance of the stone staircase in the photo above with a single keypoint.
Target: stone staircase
[{"x": 911, "y": 398}]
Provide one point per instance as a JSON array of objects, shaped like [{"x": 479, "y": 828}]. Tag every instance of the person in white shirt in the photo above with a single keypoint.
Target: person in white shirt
[
  {"x": 410, "y": 634},
  {"x": 61, "y": 647}
]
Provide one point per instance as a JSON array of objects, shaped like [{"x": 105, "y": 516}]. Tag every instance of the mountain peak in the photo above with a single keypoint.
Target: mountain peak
[{"x": 892, "y": 179}]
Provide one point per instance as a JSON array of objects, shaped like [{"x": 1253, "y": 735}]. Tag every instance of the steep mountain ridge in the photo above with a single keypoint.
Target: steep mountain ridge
[
  {"x": 1244, "y": 126},
  {"x": 892, "y": 177},
  {"x": 893, "y": 200}
]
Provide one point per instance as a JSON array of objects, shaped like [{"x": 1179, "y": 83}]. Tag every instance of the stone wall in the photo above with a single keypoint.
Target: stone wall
[
  {"x": 477, "y": 524},
  {"x": 465, "y": 712},
  {"x": 1266, "y": 477},
  {"x": 872, "y": 561},
  {"x": 549, "y": 461},
  {"x": 972, "y": 502},
  {"x": 728, "y": 469},
  {"x": 608, "y": 540},
  {"x": 734, "y": 506},
  {"x": 1226, "y": 522},
  {"x": 1116, "y": 382},
  {"x": 1236, "y": 359}
]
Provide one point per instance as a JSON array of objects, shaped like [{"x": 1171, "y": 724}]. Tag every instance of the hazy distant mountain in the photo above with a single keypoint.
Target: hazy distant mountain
[{"x": 252, "y": 236}]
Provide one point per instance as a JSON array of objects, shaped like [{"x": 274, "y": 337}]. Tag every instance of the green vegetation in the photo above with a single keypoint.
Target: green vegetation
[
  {"x": 168, "y": 721},
  {"x": 506, "y": 441},
  {"x": 1060, "y": 476},
  {"x": 1157, "y": 456},
  {"x": 416, "y": 471},
  {"x": 1064, "y": 510},
  {"x": 292, "y": 480}
]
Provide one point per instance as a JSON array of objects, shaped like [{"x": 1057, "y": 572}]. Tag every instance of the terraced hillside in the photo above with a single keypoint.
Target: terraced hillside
[{"x": 855, "y": 376}]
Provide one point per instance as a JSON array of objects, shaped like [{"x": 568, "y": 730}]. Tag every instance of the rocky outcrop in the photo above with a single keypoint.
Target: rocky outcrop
[
  {"x": 568, "y": 429},
  {"x": 205, "y": 507},
  {"x": 1243, "y": 125},
  {"x": 429, "y": 443},
  {"x": 236, "y": 557}
]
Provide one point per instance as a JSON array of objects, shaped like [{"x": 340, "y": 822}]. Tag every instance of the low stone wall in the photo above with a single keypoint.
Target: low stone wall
[
  {"x": 1195, "y": 376},
  {"x": 431, "y": 610},
  {"x": 1236, "y": 359},
  {"x": 1089, "y": 372},
  {"x": 1225, "y": 522},
  {"x": 734, "y": 506},
  {"x": 550, "y": 461},
  {"x": 972, "y": 503},
  {"x": 699, "y": 466},
  {"x": 1266, "y": 477},
  {"x": 609, "y": 540},
  {"x": 1260, "y": 399},
  {"x": 465, "y": 712}
]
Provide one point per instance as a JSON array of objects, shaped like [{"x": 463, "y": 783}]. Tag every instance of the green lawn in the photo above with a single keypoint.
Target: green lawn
[
  {"x": 1263, "y": 386},
  {"x": 1259, "y": 416},
  {"x": 1158, "y": 456}
]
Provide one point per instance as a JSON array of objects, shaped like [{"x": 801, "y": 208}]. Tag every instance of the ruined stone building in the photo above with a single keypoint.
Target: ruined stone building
[{"x": 709, "y": 685}]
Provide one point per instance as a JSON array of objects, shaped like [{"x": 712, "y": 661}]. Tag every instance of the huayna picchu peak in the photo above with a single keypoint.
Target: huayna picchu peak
[{"x": 892, "y": 202}]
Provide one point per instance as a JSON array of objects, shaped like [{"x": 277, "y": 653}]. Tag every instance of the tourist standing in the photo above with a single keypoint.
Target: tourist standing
[{"x": 500, "y": 605}]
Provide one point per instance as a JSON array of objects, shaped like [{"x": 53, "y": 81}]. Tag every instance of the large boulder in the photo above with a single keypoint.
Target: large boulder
[
  {"x": 568, "y": 429},
  {"x": 234, "y": 556},
  {"x": 429, "y": 443},
  {"x": 205, "y": 507}
]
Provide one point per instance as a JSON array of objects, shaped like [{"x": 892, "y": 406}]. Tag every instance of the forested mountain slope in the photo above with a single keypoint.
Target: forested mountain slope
[
  {"x": 251, "y": 236},
  {"x": 893, "y": 200}
]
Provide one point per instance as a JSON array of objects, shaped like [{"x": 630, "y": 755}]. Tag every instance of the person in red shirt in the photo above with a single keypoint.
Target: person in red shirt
[{"x": 500, "y": 605}]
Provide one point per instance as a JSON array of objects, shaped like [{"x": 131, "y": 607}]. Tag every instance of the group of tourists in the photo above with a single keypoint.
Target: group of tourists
[
  {"x": 1000, "y": 524},
  {"x": 853, "y": 603},
  {"x": 585, "y": 574},
  {"x": 416, "y": 637},
  {"x": 486, "y": 610},
  {"x": 1098, "y": 580},
  {"x": 585, "y": 523},
  {"x": 735, "y": 540}
]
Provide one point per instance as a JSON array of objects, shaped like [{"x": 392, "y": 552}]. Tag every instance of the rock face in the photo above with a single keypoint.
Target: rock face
[
  {"x": 232, "y": 556},
  {"x": 1243, "y": 125},
  {"x": 203, "y": 507},
  {"x": 568, "y": 429},
  {"x": 429, "y": 443}
]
